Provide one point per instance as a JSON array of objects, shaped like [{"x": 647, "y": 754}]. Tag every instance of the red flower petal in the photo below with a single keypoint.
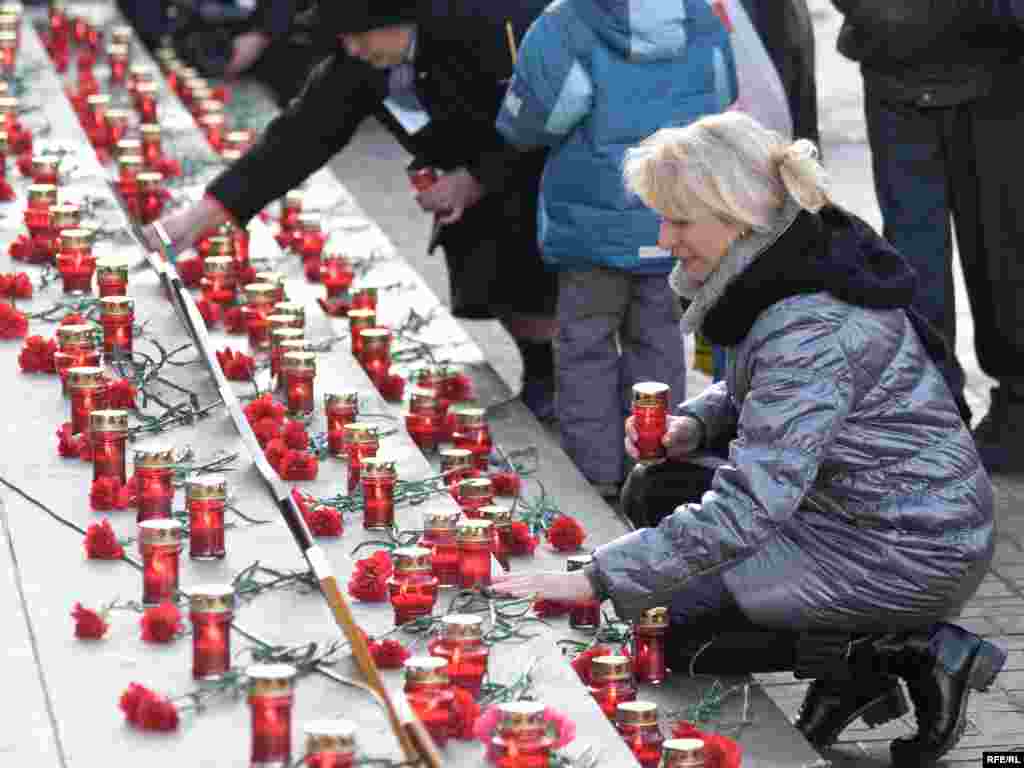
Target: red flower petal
[
  {"x": 21, "y": 286},
  {"x": 13, "y": 324},
  {"x": 264, "y": 407},
  {"x": 311, "y": 267},
  {"x": 334, "y": 307},
  {"x": 465, "y": 711},
  {"x": 190, "y": 271},
  {"x": 297, "y": 466},
  {"x": 234, "y": 320},
  {"x": 324, "y": 521},
  {"x": 155, "y": 713},
  {"x": 89, "y": 625},
  {"x": 392, "y": 388},
  {"x": 37, "y": 355},
  {"x": 522, "y": 542},
  {"x": 388, "y": 653},
  {"x": 237, "y": 366},
  {"x": 121, "y": 394},
  {"x": 295, "y": 435},
  {"x": 275, "y": 451},
  {"x": 103, "y": 494},
  {"x": 581, "y": 664},
  {"x": 161, "y": 624},
  {"x": 66, "y": 445},
  {"x": 73, "y": 319},
  {"x": 369, "y": 580},
  {"x": 566, "y": 534},
  {"x": 505, "y": 483},
  {"x": 209, "y": 311},
  {"x": 101, "y": 542}
]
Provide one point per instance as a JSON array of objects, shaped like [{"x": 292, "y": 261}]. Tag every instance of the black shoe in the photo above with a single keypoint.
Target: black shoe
[
  {"x": 539, "y": 396},
  {"x": 940, "y": 671},
  {"x": 999, "y": 436},
  {"x": 830, "y": 706}
]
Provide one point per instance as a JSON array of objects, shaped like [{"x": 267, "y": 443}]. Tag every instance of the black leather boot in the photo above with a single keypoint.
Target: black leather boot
[{"x": 829, "y": 706}]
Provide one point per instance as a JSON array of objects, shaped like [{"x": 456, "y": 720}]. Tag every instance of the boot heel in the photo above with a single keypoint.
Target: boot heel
[
  {"x": 888, "y": 707},
  {"x": 986, "y": 663}
]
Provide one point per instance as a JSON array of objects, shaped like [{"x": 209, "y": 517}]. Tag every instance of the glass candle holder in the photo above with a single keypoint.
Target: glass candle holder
[
  {"x": 474, "y": 538},
  {"x": 8, "y": 53},
  {"x": 213, "y": 125},
  {"x": 150, "y": 196},
  {"x": 649, "y": 646},
  {"x": 585, "y": 615},
  {"x": 637, "y": 723},
  {"x": 278, "y": 334},
  {"x": 501, "y": 532},
  {"x": 339, "y": 409},
  {"x": 422, "y": 421},
  {"x": 259, "y": 298},
  {"x": 112, "y": 276},
  {"x": 376, "y": 354},
  {"x": 159, "y": 546},
  {"x": 275, "y": 279},
  {"x": 336, "y": 274},
  {"x": 211, "y": 609},
  {"x": 239, "y": 237},
  {"x": 358, "y": 321},
  {"x": 97, "y": 105},
  {"x": 218, "y": 283},
  {"x": 76, "y": 348},
  {"x": 118, "y": 121},
  {"x": 299, "y": 370},
  {"x": 682, "y": 753},
  {"x": 75, "y": 261},
  {"x": 439, "y": 527},
  {"x": 412, "y": 587},
  {"x": 291, "y": 207},
  {"x": 45, "y": 169},
  {"x": 146, "y": 104},
  {"x": 270, "y": 705},
  {"x": 129, "y": 166},
  {"x": 472, "y": 433},
  {"x": 650, "y": 416},
  {"x": 430, "y": 695},
  {"x": 461, "y": 644},
  {"x": 308, "y": 238},
  {"x": 456, "y": 465},
  {"x": 37, "y": 218},
  {"x": 365, "y": 298},
  {"x": 330, "y": 743},
  {"x": 520, "y": 739},
  {"x": 378, "y": 477},
  {"x": 611, "y": 683},
  {"x": 205, "y": 499},
  {"x": 154, "y": 472},
  {"x": 117, "y": 316},
  {"x": 119, "y": 58},
  {"x": 360, "y": 442},
  {"x": 87, "y": 388},
  {"x": 108, "y": 435},
  {"x": 475, "y": 493}
]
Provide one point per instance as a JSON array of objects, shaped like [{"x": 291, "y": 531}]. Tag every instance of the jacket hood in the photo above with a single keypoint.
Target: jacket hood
[{"x": 642, "y": 30}]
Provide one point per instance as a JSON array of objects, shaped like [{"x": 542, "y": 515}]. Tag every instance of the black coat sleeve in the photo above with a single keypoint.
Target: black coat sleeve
[
  {"x": 274, "y": 17},
  {"x": 339, "y": 94}
]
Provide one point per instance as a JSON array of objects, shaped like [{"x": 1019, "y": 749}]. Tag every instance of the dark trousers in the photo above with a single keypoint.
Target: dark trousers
[{"x": 934, "y": 163}]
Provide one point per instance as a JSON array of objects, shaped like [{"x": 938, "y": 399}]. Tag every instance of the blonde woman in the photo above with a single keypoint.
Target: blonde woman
[{"x": 852, "y": 516}]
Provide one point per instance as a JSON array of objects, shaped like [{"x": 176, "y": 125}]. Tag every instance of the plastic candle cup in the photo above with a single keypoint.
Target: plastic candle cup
[
  {"x": 218, "y": 282},
  {"x": 378, "y": 476},
  {"x": 75, "y": 261},
  {"x": 154, "y": 472},
  {"x": 112, "y": 276},
  {"x": 87, "y": 389},
  {"x": 461, "y": 644},
  {"x": 412, "y": 588},
  {"x": 650, "y": 416},
  {"x": 439, "y": 528},
  {"x": 430, "y": 695},
  {"x": 211, "y": 610},
  {"x": 376, "y": 354},
  {"x": 682, "y": 753},
  {"x": 359, "y": 320},
  {"x": 258, "y": 307},
  {"x": 501, "y": 530},
  {"x": 76, "y": 348},
  {"x": 360, "y": 442},
  {"x": 472, "y": 433},
  {"x": 270, "y": 705},
  {"x": 637, "y": 723},
  {"x": 474, "y": 537},
  {"x": 205, "y": 500},
  {"x": 299, "y": 370},
  {"x": 456, "y": 466},
  {"x": 611, "y": 683},
  {"x": 339, "y": 409},
  {"x": 330, "y": 743},
  {"x": 520, "y": 739},
  {"x": 584, "y": 615},
  {"x": 108, "y": 434},
  {"x": 159, "y": 546},
  {"x": 474, "y": 493},
  {"x": 117, "y": 315},
  {"x": 422, "y": 420},
  {"x": 151, "y": 196},
  {"x": 649, "y": 646}
]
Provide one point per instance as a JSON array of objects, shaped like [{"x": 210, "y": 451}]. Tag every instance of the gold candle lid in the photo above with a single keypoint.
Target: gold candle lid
[
  {"x": 333, "y": 399},
  {"x": 309, "y": 221},
  {"x": 108, "y": 421},
  {"x": 112, "y": 265},
  {"x": 453, "y": 458},
  {"x": 426, "y": 669},
  {"x": 11, "y": 9},
  {"x": 86, "y": 377},
  {"x": 521, "y": 716},
  {"x": 116, "y": 50},
  {"x": 222, "y": 245},
  {"x": 653, "y": 618},
  {"x": 650, "y": 393},
  {"x": 578, "y": 562},
  {"x": 98, "y": 100},
  {"x": 270, "y": 679},
  {"x": 359, "y": 432},
  {"x": 128, "y": 147},
  {"x": 9, "y": 105},
  {"x": 286, "y": 333},
  {"x": 637, "y": 713},
  {"x": 471, "y": 416},
  {"x": 116, "y": 305},
  {"x": 441, "y": 520},
  {"x": 118, "y": 116},
  {"x": 45, "y": 162},
  {"x": 408, "y": 559},
  {"x": 75, "y": 238},
  {"x": 65, "y": 216},
  {"x": 76, "y": 334},
  {"x": 362, "y": 318},
  {"x": 682, "y": 753},
  {"x": 278, "y": 321},
  {"x": 272, "y": 278},
  {"x": 293, "y": 308},
  {"x": 141, "y": 71},
  {"x": 160, "y": 531},
  {"x": 605, "y": 668},
  {"x": 121, "y": 33},
  {"x": 42, "y": 193},
  {"x": 294, "y": 345},
  {"x": 231, "y": 155},
  {"x": 129, "y": 162},
  {"x": 161, "y": 457},
  {"x": 498, "y": 514},
  {"x": 211, "y": 118},
  {"x": 260, "y": 293},
  {"x": 462, "y": 626},
  {"x": 475, "y": 488},
  {"x": 330, "y": 736},
  {"x": 374, "y": 466},
  {"x": 206, "y": 487},
  {"x": 299, "y": 361},
  {"x": 474, "y": 530},
  {"x": 457, "y": 409},
  {"x": 375, "y": 337},
  {"x": 293, "y": 198},
  {"x": 218, "y": 265},
  {"x": 189, "y": 72},
  {"x": 212, "y": 598},
  {"x": 149, "y": 180},
  {"x": 5, "y": 142}
]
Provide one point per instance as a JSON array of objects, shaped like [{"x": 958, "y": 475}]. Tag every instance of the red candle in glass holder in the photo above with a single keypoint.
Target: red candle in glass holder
[
  {"x": 308, "y": 238},
  {"x": 270, "y": 705},
  {"x": 290, "y": 210},
  {"x": 112, "y": 276},
  {"x": 423, "y": 420},
  {"x": 412, "y": 587},
  {"x": 96, "y": 119},
  {"x": 239, "y": 140},
  {"x": 108, "y": 434},
  {"x": 461, "y": 644},
  {"x": 218, "y": 283},
  {"x": 76, "y": 348},
  {"x": 330, "y": 743},
  {"x": 275, "y": 279},
  {"x": 611, "y": 683},
  {"x": 358, "y": 321},
  {"x": 87, "y": 388},
  {"x": 240, "y": 239},
  {"x": 501, "y": 531},
  {"x": 339, "y": 409},
  {"x": 471, "y": 433},
  {"x": 118, "y": 56},
  {"x": 213, "y": 126},
  {"x": 637, "y": 723},
  {"x": 146, "y": 103},
  {"x": 117, "y": 316},
  {"x": 430, "y": 695},
  {"x": 211, "y": 609},
  {"x": 60, "y": 28},
  {"x": 376, "y": 354},
  {"x": 259, "y": 305},
  {"x": 364, "y": 298},
  {"x": 8, "y": 53},
  {"x": 520, "y": 739},
  {"x": 361, "y": 442},
  {"x": 439, "y": 528},
  {"x": 378, "y": 476},
  {"x": 279, "y": 335},
  {"x": 152, "y": 145},
  {"x": 292, "y": 309},
  {"x": 129, "y": 166},
  {"x": 474, "y": 538},
  {"x": 20, "y": 138},
  {"x": 682, "y": 753},
  {"x": 649, "y": 646},
  {"x": 187, "y": 77},
  {"x": 585, "y": 615},
  {"x": 45, "y": 169},
  {"x": 474, "y": 494},
  {"x": 117, "y": 125},
  {"x": 205, "y": 499},
  {"x": 41, "y": 197},
  {"x": 650, "y": 416},
  {"x": 299, "y": 369},
  {"x": 456, "y": 466},
  {"x": 75, "y": 261},
  {"x": 151, "y": 196},
  {"x": 154, "y": 473},
  {"x": 159, "y": 546},
  {"x": 336, "y": 274}
]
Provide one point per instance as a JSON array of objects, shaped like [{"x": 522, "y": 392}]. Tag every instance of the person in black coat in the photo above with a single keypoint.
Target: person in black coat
[{"x": 454, "y": 56}]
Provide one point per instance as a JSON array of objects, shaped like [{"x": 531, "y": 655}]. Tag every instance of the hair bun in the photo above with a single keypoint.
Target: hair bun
[{"x": 804, "y": 178}]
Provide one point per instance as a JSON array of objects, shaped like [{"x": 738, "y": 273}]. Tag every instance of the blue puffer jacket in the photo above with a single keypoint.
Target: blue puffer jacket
[{"x": 595, "y": 77}]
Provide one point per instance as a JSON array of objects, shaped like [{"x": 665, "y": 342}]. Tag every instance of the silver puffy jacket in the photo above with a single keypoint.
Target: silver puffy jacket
[{"x": 854, "y": 498}]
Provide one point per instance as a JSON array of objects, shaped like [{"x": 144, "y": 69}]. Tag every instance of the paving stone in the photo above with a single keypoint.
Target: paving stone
[
  {"x": 993, "y": 587},
  {"x": 1013, "y": 625},
  {"x": 991, "y": 607}
]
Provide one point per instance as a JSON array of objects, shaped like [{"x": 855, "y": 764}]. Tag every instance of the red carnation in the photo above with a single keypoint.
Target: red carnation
[
  {"x": 190, "y": 271},
  {"x": 222, "y": 93},
  {"x": 89, "y": 625},
  {"x": 121, "y": 394},
  {"x": 264, "y": 407},
  {"x": 465, "y": 711},
  {"x": 246, "y": 274},
  {"x": 67, "y": 447},
  {"x": 21, "y": 248},
  {"x": 83, "y": 447},
  {"x": 7, "y": 193},
  {"x": 161, "y": 624},
  {"x": 13, "y": 324},
  {"x": 719, "y": 751},
  {"x": 73, "y": 319},
  {"x": 101, "y": 542},
  {"x": 547, "y": 609},
  {"x": 298, "y": 466},
  {"x": 234, "y": 320},
  {"x": 324, "y": 521},
  {"x": 148, "y": 710},
  {"x": 103, "y": 494},
  {"x": 388, "y": 653},
  {"x": 275, "y": 451},
  {"x": 169, "y": 167},
  {"x": 334, "y": 307},
  {"x": 369, "y": 580},
  {"x": 581, "y": 664},
  {"x": 237, "y": 366},
  {"x": 126, "y": 496},
  {"x": 295, "y": 436},
  {"x": 311, "y": 267},
  {"x": 21, "y": 286},
  {"x": 566, "y": 534},
  {"x": 210, "y": 312},
  {"x": 505, "y": 483},
  {"x": 522, "y": 542},
  {"x": 266, "y": 430},
  {"x": 392, "y": 388},
  {"x": 37, "y": 355},
  {"x": 459, "y": 388},
  {"x": 25, "y": 163}
]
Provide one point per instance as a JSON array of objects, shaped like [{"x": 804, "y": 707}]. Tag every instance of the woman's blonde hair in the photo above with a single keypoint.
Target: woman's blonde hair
[{"x": 728, "y": 165}]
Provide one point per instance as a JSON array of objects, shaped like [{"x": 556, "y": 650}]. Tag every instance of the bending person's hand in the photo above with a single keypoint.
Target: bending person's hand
[
  {"x": 682, "y": 437},
  {"x": 184, "y": 227},
  {"x": 246, "y": 50},
  {"x": 451, "y": 195},
  {"x": 549, "y": 585}
]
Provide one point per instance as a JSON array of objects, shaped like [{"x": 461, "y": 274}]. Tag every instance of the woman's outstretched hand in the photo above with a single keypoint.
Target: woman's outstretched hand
[
  {"x": 549, "y": 585},
  {"x": 682, "y": 438}
]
